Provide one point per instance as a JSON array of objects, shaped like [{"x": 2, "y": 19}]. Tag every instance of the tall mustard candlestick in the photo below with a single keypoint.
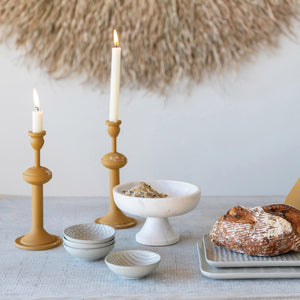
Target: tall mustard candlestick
[
  {"x": 114, "y": 161},
  {"x": 38, "y": 238}
]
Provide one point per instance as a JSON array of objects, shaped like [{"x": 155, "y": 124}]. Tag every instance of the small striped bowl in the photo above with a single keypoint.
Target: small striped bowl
[
  {"x": 133, "y": 264},
  {"x": 89, "y": 233}
]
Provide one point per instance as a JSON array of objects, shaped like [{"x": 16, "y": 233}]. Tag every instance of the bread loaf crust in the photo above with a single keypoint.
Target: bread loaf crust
[{"x": 260, "y": 231}]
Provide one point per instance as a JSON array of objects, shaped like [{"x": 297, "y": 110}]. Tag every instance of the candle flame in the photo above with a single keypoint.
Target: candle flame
[
  {"x": 36, "y": 99},
  {"x": 116, "y": 38}
]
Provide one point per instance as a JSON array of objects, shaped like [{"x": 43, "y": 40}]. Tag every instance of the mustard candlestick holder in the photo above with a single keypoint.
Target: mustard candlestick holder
[
  {"x": 114, "y": 161},
  {"x": 38, "y": 238}
]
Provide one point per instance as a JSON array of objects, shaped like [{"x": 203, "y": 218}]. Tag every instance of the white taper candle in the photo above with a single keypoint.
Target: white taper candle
[
  {"x": 37, "y": 115},
  {"x": 115, "y": 80}
]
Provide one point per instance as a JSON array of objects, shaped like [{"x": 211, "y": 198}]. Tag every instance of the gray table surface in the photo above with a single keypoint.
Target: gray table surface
[{"x": 54, "y": 274}]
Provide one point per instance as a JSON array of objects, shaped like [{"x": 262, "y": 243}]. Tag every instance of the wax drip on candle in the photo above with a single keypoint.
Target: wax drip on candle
[{"x": 36, "y": 100}]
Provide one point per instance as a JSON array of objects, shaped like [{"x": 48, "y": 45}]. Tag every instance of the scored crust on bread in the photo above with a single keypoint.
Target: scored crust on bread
[{"x": 260, "y": 231}]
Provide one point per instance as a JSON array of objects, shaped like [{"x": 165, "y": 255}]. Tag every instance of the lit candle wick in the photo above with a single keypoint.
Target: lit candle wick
[{"x": 116, "y": 38}]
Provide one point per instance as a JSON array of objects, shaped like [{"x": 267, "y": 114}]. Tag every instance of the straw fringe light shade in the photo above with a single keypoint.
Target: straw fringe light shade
[{"x": 161, "y": 40}]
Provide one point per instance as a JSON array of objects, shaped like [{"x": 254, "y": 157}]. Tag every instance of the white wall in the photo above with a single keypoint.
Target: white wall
[{"x": 237, "y": 135}]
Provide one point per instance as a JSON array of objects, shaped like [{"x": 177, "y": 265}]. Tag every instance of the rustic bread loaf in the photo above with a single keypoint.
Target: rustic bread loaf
[{"x": 262, "y": 231}]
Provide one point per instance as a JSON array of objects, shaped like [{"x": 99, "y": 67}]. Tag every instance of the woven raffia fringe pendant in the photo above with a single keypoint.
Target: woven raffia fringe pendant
[{"x": 162, "y": 41}]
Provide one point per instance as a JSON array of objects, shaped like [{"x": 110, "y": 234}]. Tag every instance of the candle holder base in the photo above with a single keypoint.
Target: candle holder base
[
  {"x": 116, "y": 220},
  {"x": 37, "y": 241}
]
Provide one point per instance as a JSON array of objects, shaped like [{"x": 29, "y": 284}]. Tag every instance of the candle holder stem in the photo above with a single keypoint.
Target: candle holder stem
[
  {"x": 38, "y": 238},
  {"x": 114, "y": 161},
  {"x": 37, "y": 208}
]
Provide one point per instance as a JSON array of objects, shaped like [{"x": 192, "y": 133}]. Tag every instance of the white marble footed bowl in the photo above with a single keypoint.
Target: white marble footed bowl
[
  {"x": 157, "y": 231},
  {"x": 182, "y": 198}
]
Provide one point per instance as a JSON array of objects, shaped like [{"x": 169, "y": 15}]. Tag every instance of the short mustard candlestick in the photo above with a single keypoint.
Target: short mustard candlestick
[
  {"x": 38, "y": 238},
  {"x": 114, "y": 161}
]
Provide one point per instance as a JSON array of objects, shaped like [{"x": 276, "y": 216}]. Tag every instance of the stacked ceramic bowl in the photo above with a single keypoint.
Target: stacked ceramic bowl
[{"x": 89, "y": 242}]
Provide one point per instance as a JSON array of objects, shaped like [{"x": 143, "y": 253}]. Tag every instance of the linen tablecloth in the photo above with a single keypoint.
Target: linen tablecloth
[{"x": 54, "y": 274}]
